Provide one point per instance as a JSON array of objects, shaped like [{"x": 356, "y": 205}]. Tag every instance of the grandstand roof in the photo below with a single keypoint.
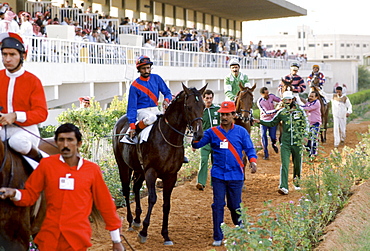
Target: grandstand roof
[{"x": 241, "y": 10}]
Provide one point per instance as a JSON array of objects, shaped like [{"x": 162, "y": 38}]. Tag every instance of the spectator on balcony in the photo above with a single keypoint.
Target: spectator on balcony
[
  {"x": 233, "y": 46},
  {"x": 40, "y": 23},
  {"x": 8, "y": 24},
  {"x": 26, "y": 26},
  {"x": 110, "y": 28}
]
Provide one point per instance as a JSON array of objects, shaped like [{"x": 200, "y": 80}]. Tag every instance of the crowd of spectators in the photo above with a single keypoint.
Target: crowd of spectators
[{"x": 105, "y": 31}]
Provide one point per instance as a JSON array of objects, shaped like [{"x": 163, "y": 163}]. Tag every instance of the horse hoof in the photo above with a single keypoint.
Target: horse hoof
[
  {"x": 168, "y": 243},
  {"x": 136, "y": 225},
  {"x": 142, "y": 239}
]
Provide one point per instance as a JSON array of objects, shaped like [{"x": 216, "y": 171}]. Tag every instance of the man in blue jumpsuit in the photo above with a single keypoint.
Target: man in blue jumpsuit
[{"x": 227, "y": 175}]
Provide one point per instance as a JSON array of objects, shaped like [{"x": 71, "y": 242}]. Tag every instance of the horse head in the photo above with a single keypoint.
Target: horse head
[
  {"x": 194, "y": 107},
  {"x": 286, "y": 84},
  {"x": 244, "y": 102}
]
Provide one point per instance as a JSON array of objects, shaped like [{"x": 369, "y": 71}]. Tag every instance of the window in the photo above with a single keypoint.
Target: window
[
  {"x": 269, "y": 46},
  {"x": 348, "y": 45},
  {"x": 283, "y": 45},
  {"x": 326, "y": 56},
  {"x": 326, "y": 45},
  {"x": 358, "y": 57},
  {"x": 342, "y": 56},
  {"x": 311, "y": 45},
  {"x": 341, "y": 45},
  {"x": 348, "y": 56},
  {"x": 364, "y": 45},
  {"x": 357, "y": 45}
]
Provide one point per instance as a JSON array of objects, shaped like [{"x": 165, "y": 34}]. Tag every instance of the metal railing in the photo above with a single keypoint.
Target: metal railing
[{"x": 41, "y": 49}]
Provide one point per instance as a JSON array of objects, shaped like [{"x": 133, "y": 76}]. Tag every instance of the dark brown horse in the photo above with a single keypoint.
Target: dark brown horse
[
  {"x": 17, "y": 224},
  {"x": 243, "y": 105},
  {"x": 285, "y": 86},
  {"x": 160, "y": 157},
  {"x": 325, "y": 107}
]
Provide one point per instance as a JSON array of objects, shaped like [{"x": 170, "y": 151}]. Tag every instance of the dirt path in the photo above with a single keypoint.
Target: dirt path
[{"x": 190, "y": 223}]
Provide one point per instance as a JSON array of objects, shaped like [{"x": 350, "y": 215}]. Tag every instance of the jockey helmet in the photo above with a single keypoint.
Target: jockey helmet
[
  {"x": 316, "y": 66},
  {"x": 13, "y": 41},
  {"x": 227, "y": 106},
  {"x": 143, "y": 60},
  {"x": 294, "y": 66},
  {"x": 234, "y": 61}
]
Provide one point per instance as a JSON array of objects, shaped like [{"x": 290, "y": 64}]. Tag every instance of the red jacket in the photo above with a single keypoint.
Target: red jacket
[
  {"x": 27, "y": 95},
  {"x": 68, "y": 210}
]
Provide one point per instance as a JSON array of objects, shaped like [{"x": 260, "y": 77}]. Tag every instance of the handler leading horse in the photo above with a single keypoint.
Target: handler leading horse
[
  {"x": 17, "y": 224},
  {"x": 160, "y": 157},
  {"x": 325, "y": 107}
]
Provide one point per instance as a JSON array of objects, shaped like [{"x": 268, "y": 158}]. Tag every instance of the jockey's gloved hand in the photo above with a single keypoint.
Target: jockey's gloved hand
[{"x": 132, "y": 133}]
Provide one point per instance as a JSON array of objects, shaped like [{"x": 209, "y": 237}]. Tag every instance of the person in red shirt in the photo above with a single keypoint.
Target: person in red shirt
[
  {"x": 71, "y": 185},
  {"x": 22, "y": 99}
]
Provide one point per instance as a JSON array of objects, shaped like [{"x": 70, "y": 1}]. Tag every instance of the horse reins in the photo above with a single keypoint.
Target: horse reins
[{"x": 177, "y": 131}]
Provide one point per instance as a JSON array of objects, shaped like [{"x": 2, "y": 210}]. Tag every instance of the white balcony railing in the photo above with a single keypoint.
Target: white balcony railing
[{"x": 41, "y": 49}]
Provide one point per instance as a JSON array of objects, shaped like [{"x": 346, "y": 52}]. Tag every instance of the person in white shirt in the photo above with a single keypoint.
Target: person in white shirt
[
  {"x": 26, "y": 26},
  {"x": 342, "y": 108}
]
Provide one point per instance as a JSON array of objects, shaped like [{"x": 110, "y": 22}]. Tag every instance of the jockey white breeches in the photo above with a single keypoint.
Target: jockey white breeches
[
  {"x": 19, "y": 139},
  {"x": 148, "y": 115}
]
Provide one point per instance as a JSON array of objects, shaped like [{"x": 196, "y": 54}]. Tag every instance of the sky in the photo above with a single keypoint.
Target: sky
[{"x": 323, "y": 17}]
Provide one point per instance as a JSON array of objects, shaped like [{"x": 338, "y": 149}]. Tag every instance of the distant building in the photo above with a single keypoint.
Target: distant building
[{"x": 319, "y": 47}]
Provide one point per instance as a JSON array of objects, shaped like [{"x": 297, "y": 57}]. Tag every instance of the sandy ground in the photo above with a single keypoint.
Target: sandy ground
[{"x": 190, "y": 224}]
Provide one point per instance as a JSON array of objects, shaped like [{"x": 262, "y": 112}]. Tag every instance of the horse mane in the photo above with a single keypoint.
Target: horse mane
[{"x": 179, "y": 99}]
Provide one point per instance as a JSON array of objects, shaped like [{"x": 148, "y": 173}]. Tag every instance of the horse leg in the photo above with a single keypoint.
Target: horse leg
[
  {"x": 150, "y": 178},
  {"x": 138, "y": 183},
  {"x": 168, "y": 186},
  {"x": 125, "y": 173}
]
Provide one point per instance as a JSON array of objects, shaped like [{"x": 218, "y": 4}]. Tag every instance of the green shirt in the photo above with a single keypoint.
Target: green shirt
[
  {"x": 211, "y": 117},
  {"x": 231, "y": 85}
]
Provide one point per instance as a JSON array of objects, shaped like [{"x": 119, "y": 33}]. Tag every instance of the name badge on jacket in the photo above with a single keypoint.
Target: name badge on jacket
[
  {"x": 224, "y": 144},
  {"x": 67, "y": 183}
]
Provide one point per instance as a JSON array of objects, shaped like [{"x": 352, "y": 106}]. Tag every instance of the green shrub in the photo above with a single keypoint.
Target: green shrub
[{"x": 299, "y": 225}]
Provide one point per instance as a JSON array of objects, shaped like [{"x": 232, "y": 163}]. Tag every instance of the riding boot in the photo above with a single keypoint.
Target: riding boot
[
  {"x": 186, "y": 160},
  {"x": 139, "y": 127},
  {"x": 34, "y": 154}
]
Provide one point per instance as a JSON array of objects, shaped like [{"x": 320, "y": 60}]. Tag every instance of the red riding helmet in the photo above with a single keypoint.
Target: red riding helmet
[{"x": 143, "y": 60}]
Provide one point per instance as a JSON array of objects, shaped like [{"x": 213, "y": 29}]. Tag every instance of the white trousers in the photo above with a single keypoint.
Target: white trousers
[
  {"x": 19, "y": 139},
  {"x": 339, "y": 129},
  {"x": 148, "y": 115}
]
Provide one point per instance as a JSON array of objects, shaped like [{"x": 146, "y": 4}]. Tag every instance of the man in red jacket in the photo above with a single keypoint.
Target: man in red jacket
[
  {"x": 22, "y": 99},
  {"x": 71, "y": 185}
]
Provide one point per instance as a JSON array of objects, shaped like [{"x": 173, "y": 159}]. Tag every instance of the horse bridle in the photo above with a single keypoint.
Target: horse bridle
[
  {"x": 189, "y": 123},
  {"x": 242, "y": 117}
]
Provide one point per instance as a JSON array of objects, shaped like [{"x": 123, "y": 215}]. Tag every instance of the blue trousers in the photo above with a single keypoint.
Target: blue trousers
[
  {"x": 265, "y": 143},
  {"x": 313, "y": 138},
  {"x": 232, "y": 191}
]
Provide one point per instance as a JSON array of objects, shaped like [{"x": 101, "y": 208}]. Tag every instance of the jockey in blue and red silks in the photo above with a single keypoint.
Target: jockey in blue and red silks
[
  {"x": 298, "y": 85},
  {"x": 142, "y": 107}
]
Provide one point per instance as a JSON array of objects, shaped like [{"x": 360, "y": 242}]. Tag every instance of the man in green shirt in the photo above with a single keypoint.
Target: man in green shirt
[
  {"x": 232, "y": 81},
  {"x": 295, "y": 129},
  {"x": 211, "y": 118}
]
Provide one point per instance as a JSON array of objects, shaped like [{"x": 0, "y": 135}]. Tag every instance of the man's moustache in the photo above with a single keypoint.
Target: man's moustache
[{"x": 66, "y": 149}]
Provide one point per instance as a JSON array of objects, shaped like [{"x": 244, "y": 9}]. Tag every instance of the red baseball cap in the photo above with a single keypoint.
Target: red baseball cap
[{"x": 227, "y": 106}]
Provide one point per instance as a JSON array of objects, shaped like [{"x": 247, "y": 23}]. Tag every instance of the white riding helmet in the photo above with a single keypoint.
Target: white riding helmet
[{"x": 234, "y": 61}]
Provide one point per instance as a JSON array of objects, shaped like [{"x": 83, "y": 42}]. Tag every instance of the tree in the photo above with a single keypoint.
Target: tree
[{"x": 363, "y": 78}]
